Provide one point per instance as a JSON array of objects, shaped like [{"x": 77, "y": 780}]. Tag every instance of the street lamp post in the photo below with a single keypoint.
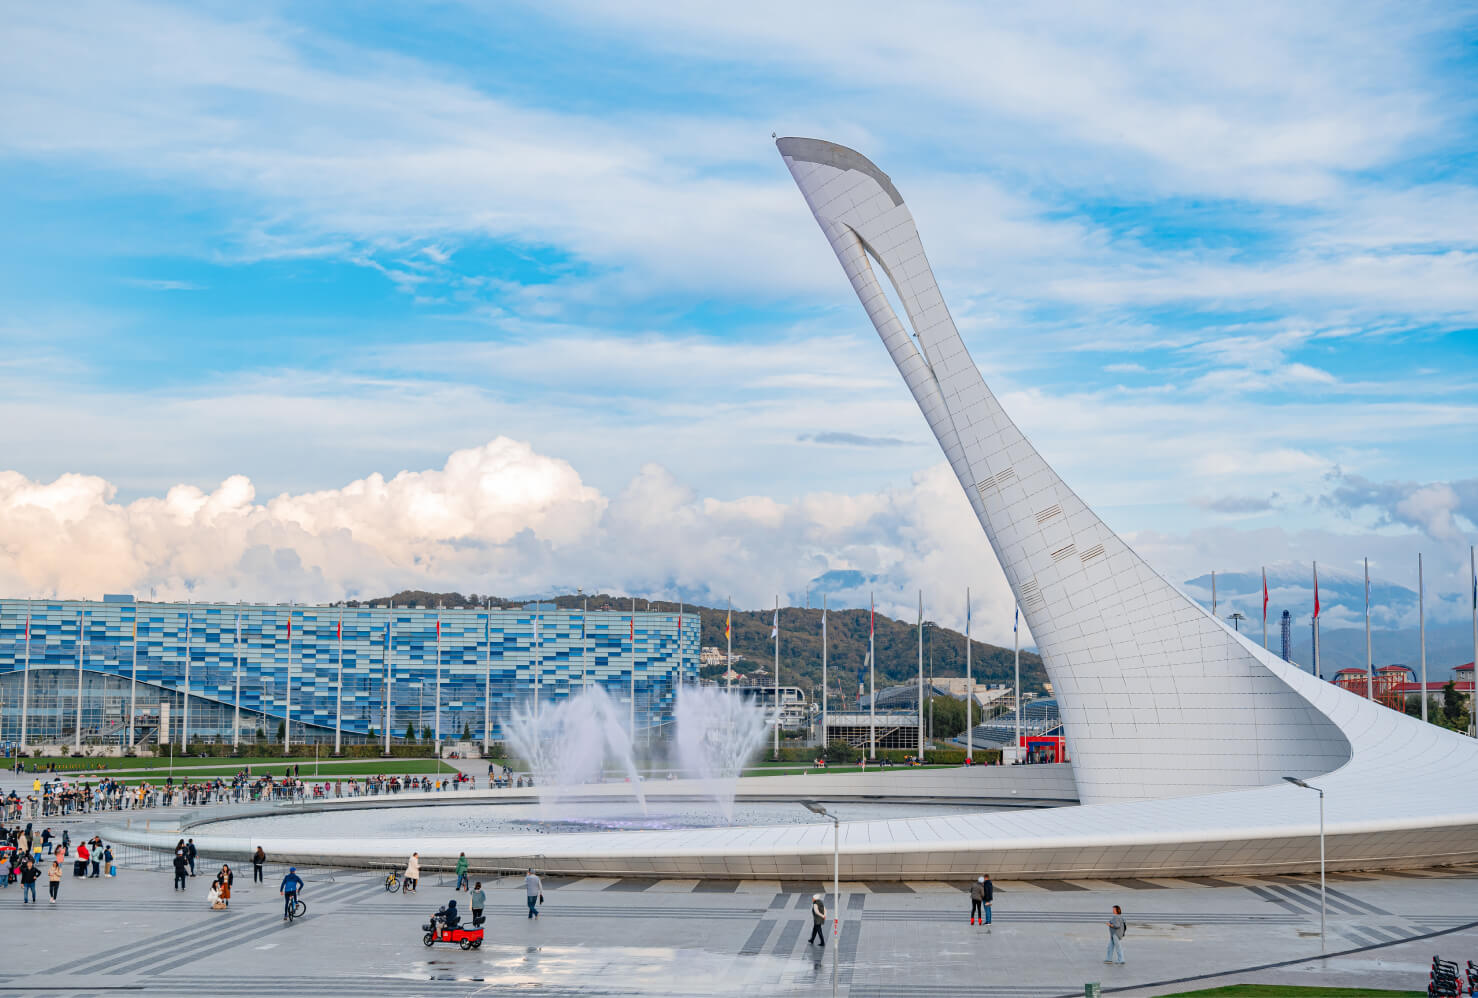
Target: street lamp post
[
  {"x": 836, "y": 868},
  {"x": 1322, "y": 910}
]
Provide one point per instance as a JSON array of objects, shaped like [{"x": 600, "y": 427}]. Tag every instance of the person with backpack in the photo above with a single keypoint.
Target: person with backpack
[
  {"x": 1117, "y": 929},
  {"x": 477, "y": 901}
]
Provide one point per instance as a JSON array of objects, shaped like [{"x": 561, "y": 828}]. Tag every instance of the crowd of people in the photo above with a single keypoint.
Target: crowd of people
[
  {"x": 58, "y": 797},
  {"x": 26, "y": 855}
]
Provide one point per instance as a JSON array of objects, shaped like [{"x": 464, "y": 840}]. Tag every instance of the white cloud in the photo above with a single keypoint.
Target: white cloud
[{"x": 498, "y": 518}]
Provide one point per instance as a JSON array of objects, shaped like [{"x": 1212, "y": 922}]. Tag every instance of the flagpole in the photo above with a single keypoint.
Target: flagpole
[
  {"x": 729, "y": 640},
  {"x": 81, "y": 640},
  {"x": 872, "y": 678},
  {"x": 339, "y": 692},
  {"x": 969, "y": 687},
  {"x": 584, "y": 644},
  {"x": 1316, "y": 619},
  {"x": 1421, "y": 605},
  {"x": 133, "y": 676},
  {"x": 1213, "y": 592},
  {"x": 632, "y": 634},
  {"x": 1473, "y": 698},
  {"x": 436, "y": 726},
  {"x": 389, "y": 688},
  {"x": 921, "y": 678},
  {"x": 287, "y": 719},
  {"x": 1016, "y": 693},
  {"x": 185, "y": 713},
  {"x": 1264, "y": 609},
  {"x": 487, "y": 671},
  {"x": 777, "y": 677},
  {"x": 823, "y": 672},
  {"x": 236, "y": 648},
  {"x": 1369, "y": 659},
  {"x": 26, "y": 679}
]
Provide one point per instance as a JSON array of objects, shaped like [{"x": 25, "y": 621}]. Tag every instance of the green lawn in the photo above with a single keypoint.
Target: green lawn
[{"x": 1280, "y": 991}]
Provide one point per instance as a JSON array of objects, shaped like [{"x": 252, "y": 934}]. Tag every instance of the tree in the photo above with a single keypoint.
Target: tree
[
  {"x": 840, "y": 752},
  {"x": 410, "y": 732},
  {"x": 466, "y": 732},
  {"x": 281, "y": 731},
  {"x": 1453, "y": 715},
  {"x": 425, "y": 734},
  {"x": 949, "y": 716}
]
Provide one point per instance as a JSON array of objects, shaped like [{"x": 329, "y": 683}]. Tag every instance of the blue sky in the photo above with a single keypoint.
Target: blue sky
[{"x": 1221, "y": 266}]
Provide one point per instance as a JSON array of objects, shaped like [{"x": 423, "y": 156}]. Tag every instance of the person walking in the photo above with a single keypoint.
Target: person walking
[
  {"x": 977, "y": 901},
  {"x": 190, "y": 853},
  {"x": 181, "y": 870},
  {"x": 462, "y": 872},
  {"x": 1117, "y": 928},
  {"x": 29, "y": 875},
  {"x": 818, "y": 920},
  {"x": 989, "y": 896},
  {"x": 412, "y": 873},
  {"x": 477, "y": 901},
  {"x": 534, "y": 887},
  {"x": 258, "y": 860},
  {"x": 54, "y": 875}
]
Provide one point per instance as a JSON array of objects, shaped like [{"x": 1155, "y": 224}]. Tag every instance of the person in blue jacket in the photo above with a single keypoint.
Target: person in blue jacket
[{"x": 291, "y": 884}]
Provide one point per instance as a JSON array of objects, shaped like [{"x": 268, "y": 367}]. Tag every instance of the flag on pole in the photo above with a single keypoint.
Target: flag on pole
[
  {"x": 775, "y": 625},
  {"x": 871, "y": 613},
  {"x": 729, "y": 625},
  {"x": 1316, "y": 590},
  {"x": 289, "y": 626},
  {"x": 340, "y": 632},
  {"x": 633, "y": 627},
  {"x": 1265, "y": 597},
  {"x": 1017, "y": 622}
]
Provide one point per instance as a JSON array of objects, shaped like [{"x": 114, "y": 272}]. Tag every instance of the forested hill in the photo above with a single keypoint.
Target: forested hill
[{"x": 800, "y": 640}]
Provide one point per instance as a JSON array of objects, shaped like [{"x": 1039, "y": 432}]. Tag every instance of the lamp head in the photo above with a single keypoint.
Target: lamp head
[
  {"x": 1297, "y": 782},
  {"x": 814, "y": 807}
]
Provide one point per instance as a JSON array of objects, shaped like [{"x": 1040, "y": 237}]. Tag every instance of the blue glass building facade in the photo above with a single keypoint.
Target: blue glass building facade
[{"x": 318, "y": 666}]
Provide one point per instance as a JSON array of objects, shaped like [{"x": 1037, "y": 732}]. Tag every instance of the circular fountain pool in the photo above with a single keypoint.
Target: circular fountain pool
[{"x": 452, "y": 821}]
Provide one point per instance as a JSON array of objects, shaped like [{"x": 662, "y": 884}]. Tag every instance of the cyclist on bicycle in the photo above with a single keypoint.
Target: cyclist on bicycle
[{"x": 291, "y": 884}]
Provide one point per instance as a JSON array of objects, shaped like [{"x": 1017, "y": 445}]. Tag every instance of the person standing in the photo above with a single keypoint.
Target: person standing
[
  {"x": 225, "y": 878},
  {"x": 258, "y": 860},
  {"x": 462, "y": 872},
  {"x": 108, "y": 868},
  {"x": 477, "y": 901},
  {"x": 181, "y": 869},
  {"x": 818, "y": 920},
  {"x": 54, "y": 875},
  {"x": 29, "y": 874},
  {"x": 412, "y": 873},
  {"x": 534, "y": 887},
  {"x": 1117, "y": 928},
  {"x": 989, "y": 896},
  {"x": 190, "y": 853},
  {"x": 977, "y": 901}
]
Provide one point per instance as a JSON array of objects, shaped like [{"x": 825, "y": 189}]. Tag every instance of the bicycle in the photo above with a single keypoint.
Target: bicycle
[
  {"x": 298, "y": 910},
  {"x": 392, "y": 882}
]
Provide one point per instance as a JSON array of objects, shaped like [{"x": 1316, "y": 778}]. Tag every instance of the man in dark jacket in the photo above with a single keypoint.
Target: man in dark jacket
[
  {"x": 989, "y": 896},
  {"x": 190, "y": 853},
  {"x": 181, "y": 870},
  {"x": 291, "y": 884},
  {"x": 29, "y": 875},
  {"x": 818, "y": 920}
]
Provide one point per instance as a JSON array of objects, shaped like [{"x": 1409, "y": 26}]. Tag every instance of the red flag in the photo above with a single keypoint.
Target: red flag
[
  {"x": 1265, "y": 596},
  {"x": 1316, "y": 590},
  {"x": 341, "y": 631},
  {"x": 438, "y": 628},
  {"x": 289, "y": 627},
  {"x": 633, "y": 628},
  {"x": 871, "y": 610}
]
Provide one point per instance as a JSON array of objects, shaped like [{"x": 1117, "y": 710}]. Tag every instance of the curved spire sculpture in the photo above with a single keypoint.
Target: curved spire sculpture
[{"x": 1158, "y": 697}]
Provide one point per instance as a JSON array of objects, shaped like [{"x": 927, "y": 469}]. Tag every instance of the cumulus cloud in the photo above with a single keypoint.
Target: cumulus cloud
[
  {"x": 1444, "y": 511},
  {"x": 499, "y": 518}
]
